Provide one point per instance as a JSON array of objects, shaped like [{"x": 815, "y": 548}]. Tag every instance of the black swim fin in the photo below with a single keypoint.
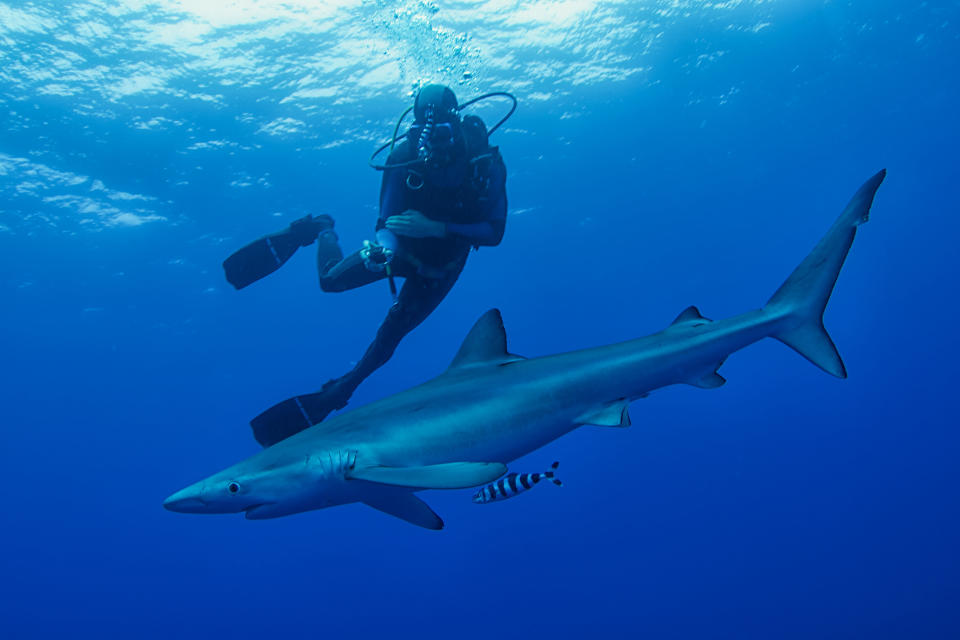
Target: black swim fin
[
  {"x": 293, "y": 415},
  {"x": 262, "y": 257}
]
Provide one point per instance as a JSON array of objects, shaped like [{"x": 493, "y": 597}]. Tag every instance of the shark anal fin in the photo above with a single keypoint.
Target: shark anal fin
[
  {"x": 709, "y": 381},
  {"x": 406, "y": 506},
  {"x": 450, "y": 475},
  {"x": 485, "y": 344},
  {"x": 612, "y": 415}
]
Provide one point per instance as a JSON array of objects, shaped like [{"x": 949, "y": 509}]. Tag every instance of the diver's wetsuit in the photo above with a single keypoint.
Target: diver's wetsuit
[{"x": 470, "y": 197}]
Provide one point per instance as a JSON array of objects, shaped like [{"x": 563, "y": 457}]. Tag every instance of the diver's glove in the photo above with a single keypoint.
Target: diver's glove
[
  {"x": 306, "y": 229},
  {"x": 375, "y": 257}
]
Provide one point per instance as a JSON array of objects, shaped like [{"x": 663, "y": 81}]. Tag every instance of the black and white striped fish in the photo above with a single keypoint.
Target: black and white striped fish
[{"x": 514, "y": 483}]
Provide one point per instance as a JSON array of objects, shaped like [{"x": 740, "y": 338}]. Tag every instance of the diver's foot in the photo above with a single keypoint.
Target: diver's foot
[
  {"x": 315, "y": 407},
  {"x": 306, "y": 229},
  {"x": 336, "y": 393},
  {"x": 295, "y": 414},
  {"x": 323, "y": 222}
]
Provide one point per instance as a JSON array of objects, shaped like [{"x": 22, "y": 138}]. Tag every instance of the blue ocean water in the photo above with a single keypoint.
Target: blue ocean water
[{"x": 665, "y": 153}]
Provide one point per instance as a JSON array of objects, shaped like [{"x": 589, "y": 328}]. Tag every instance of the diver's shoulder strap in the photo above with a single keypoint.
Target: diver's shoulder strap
[
  {"x": 402, "y": 152},
  {"x": 497, "y": 157},
  {"x": 475, "y": 133}
]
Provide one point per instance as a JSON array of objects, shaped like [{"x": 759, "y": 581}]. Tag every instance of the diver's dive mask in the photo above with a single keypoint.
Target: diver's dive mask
[{"x": 437, "y": 141}]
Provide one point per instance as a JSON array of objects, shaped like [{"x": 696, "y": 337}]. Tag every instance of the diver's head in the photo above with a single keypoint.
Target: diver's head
[
  {"x": 438, "y": 99},
  {"x": 437, "y": 130},
  {"x": 437, "y": 122}
]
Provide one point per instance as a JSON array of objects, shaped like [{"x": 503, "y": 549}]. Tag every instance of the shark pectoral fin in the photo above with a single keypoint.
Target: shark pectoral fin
[
  {"x": 450, "y": 475},
  {"x": 709, "y": 381},
  {"x": 406, "y": 506},
  {"x": 613, "y": 415}
]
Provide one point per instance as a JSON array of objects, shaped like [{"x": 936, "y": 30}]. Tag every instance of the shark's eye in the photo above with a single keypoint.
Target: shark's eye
[{"x": 233, "y": 487}]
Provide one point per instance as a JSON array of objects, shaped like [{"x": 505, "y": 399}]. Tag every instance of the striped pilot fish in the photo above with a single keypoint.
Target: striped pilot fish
[{"x": 514, "y": 483}]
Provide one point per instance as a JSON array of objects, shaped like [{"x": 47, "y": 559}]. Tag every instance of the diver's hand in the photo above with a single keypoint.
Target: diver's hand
[
  {"x": 375, "y": 257},
  {"x": 414, "y": 224}
]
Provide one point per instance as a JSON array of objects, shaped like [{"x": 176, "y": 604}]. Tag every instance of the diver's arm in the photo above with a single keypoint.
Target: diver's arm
[
  {"x": 391, "y": 196},
  {"x": 485, "y": 234},
  {"x": 413, "y": 224},
  {"x": 395, "y": 219},
  {"x": 490, "y": 232}
]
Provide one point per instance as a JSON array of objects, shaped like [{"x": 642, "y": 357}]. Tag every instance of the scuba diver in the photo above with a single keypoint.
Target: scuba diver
[{"x": 443, "y": 192}]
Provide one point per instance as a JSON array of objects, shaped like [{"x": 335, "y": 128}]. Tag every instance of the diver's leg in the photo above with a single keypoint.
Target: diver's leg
[
  {"x": 295, "y": 414},
  {"x": 417, "y": 300}
]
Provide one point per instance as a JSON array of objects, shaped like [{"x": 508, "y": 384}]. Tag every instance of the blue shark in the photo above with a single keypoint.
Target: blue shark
[{"x": 490, "y": 407}]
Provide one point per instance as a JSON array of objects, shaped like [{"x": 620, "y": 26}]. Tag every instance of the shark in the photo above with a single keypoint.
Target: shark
[{"x": 490, "y": 407}]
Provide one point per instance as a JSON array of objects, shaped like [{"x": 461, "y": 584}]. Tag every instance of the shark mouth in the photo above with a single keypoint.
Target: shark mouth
[{"x": 252, "y": 512}]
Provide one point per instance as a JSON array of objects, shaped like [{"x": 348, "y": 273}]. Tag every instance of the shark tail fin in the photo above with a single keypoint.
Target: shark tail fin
[{"x": 803, "y": 297}]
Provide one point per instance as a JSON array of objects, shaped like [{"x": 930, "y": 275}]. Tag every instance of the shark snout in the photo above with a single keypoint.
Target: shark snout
[
  {"x": 186, "y": 501},
  {"x": 204, "y": 498}
]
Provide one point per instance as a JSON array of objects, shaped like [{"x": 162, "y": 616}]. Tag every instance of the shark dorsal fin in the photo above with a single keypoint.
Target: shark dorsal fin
[
  {"x": 485, "y": 344},
  {"x": 689, "y": 314}
]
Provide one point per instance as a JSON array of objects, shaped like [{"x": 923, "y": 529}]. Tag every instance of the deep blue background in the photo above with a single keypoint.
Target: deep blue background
[{"x": 787, "y": 504}]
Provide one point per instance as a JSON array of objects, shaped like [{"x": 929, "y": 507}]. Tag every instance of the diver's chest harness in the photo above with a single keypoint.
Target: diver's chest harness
[
  {"x": 462, "y": 164},
  {"x": 444, "y": 141},
  {"x": 464, "y": 202}
]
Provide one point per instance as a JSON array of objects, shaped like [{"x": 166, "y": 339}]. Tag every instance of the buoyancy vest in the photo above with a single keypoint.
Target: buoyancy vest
[{"x": 460, "y": 193}]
